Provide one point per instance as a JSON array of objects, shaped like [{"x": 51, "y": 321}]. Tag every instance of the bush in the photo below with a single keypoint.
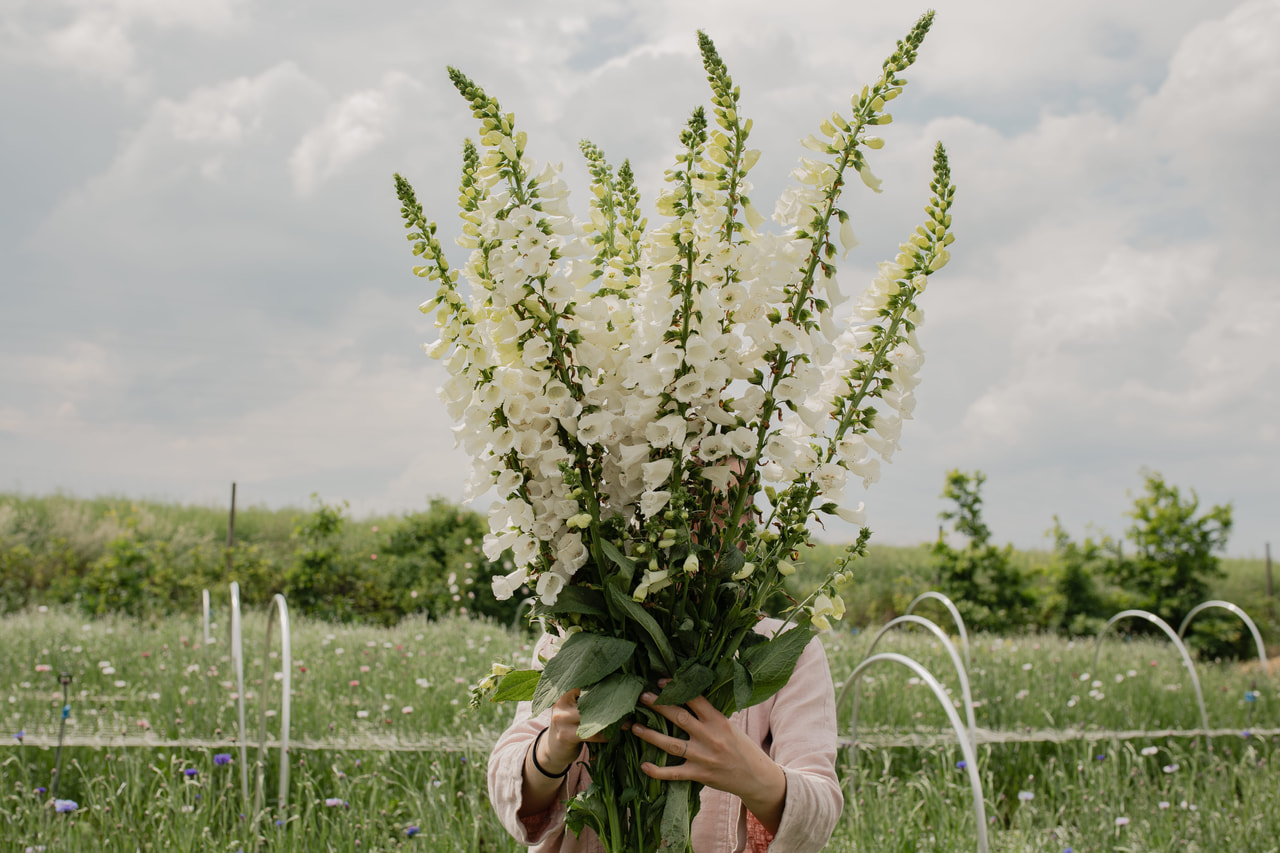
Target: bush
[
  {"x": 1173, "y": 561},
  {"x": 987, "y": 588},
  {"x": 437, "y": 564}
]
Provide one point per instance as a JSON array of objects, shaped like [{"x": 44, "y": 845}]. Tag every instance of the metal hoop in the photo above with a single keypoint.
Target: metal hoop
[
  {"x": 955, "y": 616},
  {"x": 1174, "y": 638},
  {"x": 961, "y": 673},
  {"x": 1227, "y": 605},
  {"x": 280, "y": 607},
  {"x": 970, "y": 757},
  {"x": 237, "y": 665}
]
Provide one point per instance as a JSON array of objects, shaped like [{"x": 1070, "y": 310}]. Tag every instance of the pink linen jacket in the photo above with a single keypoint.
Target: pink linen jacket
[{"x": 797, "y": 728}]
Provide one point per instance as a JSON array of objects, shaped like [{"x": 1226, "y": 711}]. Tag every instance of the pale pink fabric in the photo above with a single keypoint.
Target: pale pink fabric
[{"x": 797, "y": 727}]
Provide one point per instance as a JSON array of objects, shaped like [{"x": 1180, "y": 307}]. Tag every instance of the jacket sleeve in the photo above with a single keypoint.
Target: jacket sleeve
[
  {"x": 802, "y": 722},
  {"x": 506, "y": 775}
]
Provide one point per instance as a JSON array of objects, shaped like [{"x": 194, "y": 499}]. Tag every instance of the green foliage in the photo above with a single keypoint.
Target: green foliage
[
  {"x": 436, "y": 563},
  {"x": 319, "y": 580},
  {"x": 111, "y": 555},
  {"x": 1075, "y": 604},
  {"x": 1174, "y": 550},
  {"x": 988, "y": 590}
]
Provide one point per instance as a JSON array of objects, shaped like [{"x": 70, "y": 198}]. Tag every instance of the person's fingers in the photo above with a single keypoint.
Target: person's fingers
[
  {"x": 673, "y": 746},
  {"x": 678, "y": 714},
  {"x": 670, "y": 773},
  {"x": 703, "y": 708}
]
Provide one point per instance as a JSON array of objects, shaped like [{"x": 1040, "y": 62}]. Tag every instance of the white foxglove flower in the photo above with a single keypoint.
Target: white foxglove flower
[{"x": 656, "y": 473}]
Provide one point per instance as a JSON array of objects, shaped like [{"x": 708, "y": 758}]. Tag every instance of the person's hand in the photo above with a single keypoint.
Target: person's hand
[
  {"x": 558, "y": 747},
  {"x": 561, "y": 745},
  {"x": 717, "y": 754}
]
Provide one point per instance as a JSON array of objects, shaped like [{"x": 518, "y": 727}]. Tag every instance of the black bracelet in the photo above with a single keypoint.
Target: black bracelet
[{"x": 541, "y": 769}]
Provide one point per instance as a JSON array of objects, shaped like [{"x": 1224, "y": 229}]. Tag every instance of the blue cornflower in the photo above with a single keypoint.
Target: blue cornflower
[
  {"x": 65, "y": 805},
  {"x": 961, "y": 765},
  {"x": 20, "y": 735},
  {"x": 42, "y": 790},
  {"x": 222, "y": 758},
  {"x": 190, "y": 772},
  {"x": 1101, "y": 757},
  {"x": 412, "y": 831}
]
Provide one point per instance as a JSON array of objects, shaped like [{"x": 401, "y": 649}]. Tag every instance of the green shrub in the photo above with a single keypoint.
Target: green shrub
[{"x": 990, "y": 592}]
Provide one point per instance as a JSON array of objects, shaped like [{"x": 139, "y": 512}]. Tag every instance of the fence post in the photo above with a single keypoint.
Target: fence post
[
  {"x": 1270, "y": 591},
  {"x": 231, "y": 528}
]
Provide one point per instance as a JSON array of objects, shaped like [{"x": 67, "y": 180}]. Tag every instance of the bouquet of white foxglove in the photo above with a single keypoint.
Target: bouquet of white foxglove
[{"x": 662, "y": 411}]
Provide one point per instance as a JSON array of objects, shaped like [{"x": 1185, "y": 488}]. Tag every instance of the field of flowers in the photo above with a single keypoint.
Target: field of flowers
[{"x": 386, "y": 754}]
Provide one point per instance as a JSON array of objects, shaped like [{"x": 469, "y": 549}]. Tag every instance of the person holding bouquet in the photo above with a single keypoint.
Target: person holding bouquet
[{"x": 769, "y": 770}]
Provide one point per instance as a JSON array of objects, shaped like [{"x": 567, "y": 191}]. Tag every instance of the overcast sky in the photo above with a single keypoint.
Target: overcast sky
[{"x": 203, "y": 276}]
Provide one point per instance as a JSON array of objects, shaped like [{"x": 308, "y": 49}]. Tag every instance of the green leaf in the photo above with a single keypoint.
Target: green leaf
[
  {"x": 627, "y": 606},
  {"x": 583, "y": 660},
  {"x": 675, "y": 817},
  {"x": 771, "y": 663},
  {"x": 731, "y": 562},
  {"x": 626, "y": 566},
  {"x": 742, "y": 685},
  {"x": 587, "y": 809},
  {"x": 517, "y": 686},
  {"x": 601, "y": 705},
  {"x": 573, "y": 599},
  {"x": 690, "y": 681}
]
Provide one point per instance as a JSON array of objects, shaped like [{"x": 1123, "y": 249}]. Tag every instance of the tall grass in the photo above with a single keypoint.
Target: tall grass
[{"x": 415, "y": 756}]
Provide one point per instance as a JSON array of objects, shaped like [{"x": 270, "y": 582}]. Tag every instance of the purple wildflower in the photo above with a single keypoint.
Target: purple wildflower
[
  {"x": 65, "y": 805},
  {"x": 190, "y": 772},
  {"x": 412, "y": 831},
  {"x": 335, "y": 802},
  {"x": 42, "y": 790},
  {"x": 222, "y": 758},
  {"x": 20, "y": 735},
  {"x": 961, "y": 765}
]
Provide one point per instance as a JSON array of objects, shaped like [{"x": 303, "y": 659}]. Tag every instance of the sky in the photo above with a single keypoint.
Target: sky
[{"x": 204, "y": 278}]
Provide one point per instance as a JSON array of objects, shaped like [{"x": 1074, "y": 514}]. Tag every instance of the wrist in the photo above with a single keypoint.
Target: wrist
[
  {"x": 544, "y": 761},
  {"x": 768, "y": 796}
]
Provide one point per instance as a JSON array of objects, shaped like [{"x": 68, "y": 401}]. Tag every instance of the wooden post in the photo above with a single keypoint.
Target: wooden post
[
  {"x": 1270, "y": 592},
  {"x": 231, "y": 528}
]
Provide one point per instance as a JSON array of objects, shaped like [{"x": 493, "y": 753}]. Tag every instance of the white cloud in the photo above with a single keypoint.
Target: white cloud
[
  {"x": 92, "y": 44},
  {"x": 1108, "y": 305},
  {"x": 98, "y": 38},
  {"x": 351, "y": 129}
]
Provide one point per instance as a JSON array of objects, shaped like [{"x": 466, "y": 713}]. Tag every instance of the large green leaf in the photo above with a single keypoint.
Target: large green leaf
[
  {"x": 627, "y": 606},
  {"x": 517, "y": 686},
  {"x": 771, "y": 663},
  {"x": 573, "y": 599},
  {"x": 626, "y": 566},
  {"x": 583, "y": 660},
  {"x": 742, "y": 685},
  {"x": 691, "y": 680},
  {"x": 603, "y": 704},
  {"x": 675, "y": 817}
]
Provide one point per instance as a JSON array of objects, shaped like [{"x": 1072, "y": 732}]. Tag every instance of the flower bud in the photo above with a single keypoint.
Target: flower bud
[{"x": 786, "y": 568}]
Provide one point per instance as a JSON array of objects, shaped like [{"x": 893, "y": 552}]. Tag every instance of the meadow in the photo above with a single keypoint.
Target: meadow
[{"x": 386, "y": 754}]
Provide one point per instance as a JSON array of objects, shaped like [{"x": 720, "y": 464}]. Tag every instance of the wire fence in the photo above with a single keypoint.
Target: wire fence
[{"x": 483, "y": 740}]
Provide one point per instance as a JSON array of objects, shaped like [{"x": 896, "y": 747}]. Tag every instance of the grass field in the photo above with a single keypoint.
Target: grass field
[{"x": 386, "y": 753}]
